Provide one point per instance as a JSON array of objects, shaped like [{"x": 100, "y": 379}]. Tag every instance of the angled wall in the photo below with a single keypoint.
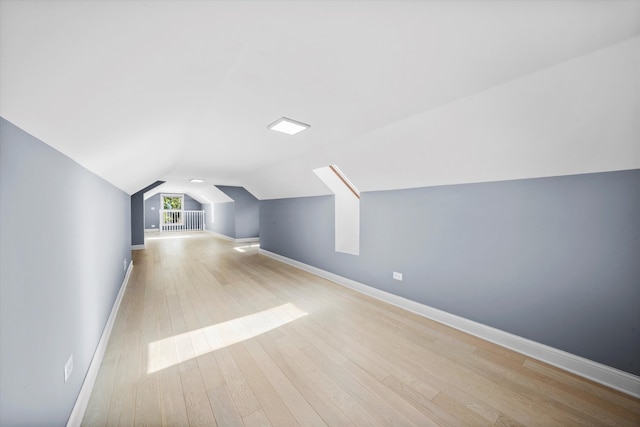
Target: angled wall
[
  {"x": 137, "y": 215},
  {"x": 554, "y": 260},
  {"x": 61, "y": 266},
  {"x": 239, "y": 219},
  {"x": 221, "y": 218}
]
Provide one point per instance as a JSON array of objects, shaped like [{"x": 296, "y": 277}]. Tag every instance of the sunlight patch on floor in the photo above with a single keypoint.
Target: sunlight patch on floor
[
  {"x": 180, "y": 348},
  {"x": 247, "y": 247}
]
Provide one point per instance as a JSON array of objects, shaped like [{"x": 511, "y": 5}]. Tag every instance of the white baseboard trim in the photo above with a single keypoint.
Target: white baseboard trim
[
  {"x": 602, "y": 374},
  {"x": 151, "y": 230},
  {"x": 247, "y": 240},
  {"x": 231, "y": 239},
  {"x": 94, "y": 367},
  {"x": 137, "y": 247},
  {"x": 222, "y": 236}
]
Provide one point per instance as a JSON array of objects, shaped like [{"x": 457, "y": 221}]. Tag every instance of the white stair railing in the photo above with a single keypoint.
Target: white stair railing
[{"x": 178, "y": 220}]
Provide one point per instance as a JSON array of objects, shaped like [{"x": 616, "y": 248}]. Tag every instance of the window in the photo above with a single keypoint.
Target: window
[{"x": 172, "y": 207}]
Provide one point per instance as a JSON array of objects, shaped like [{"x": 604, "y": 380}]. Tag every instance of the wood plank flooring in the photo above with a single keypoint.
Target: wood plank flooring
[{"x": 211, "y": 333}]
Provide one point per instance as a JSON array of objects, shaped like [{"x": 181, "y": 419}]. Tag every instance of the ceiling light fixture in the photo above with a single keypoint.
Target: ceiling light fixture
[
  {"x": 288, "y": 126},
  {"x": 196, "y": 180}
]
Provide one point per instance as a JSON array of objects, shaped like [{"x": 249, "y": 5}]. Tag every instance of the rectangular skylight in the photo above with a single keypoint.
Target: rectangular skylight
[
  {"x": 288, "y": 126},
  {"x": 347, "y": 209},
  {"x": 196, "y": 180}
]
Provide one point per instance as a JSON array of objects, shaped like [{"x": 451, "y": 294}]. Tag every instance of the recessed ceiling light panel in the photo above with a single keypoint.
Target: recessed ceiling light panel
[
  {"x": 196, "y": 180},
  {"x": 288, "y": 126}
]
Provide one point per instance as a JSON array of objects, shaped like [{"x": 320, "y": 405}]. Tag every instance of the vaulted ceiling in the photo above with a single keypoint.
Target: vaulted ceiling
[{"x": 399, "y": 94}]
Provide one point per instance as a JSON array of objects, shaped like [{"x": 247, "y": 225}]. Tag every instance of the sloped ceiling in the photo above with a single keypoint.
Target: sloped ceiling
[
  {"x": 202, "y": 192},
  {"x": 398, "y": 94}
]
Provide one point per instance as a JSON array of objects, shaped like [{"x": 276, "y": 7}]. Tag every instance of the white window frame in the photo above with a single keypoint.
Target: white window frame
[{"x": 162, "y": 209}]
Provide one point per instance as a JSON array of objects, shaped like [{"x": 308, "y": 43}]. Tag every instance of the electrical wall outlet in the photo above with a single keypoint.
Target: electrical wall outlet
[
  {"x": 397, "y": 276},
  {"x": 68, "y": 368},
  {"x": 124, "y": 264}
]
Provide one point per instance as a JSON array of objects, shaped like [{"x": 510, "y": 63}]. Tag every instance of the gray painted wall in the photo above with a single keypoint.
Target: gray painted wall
[
  {"x": 61, "y": 268},
  {"x": 247, "y": 211},
  {"x": 222, "y": 220},
  {"x": 553, "y": 259},
  {"x": 151, "y": 209},
  {"x": 137, "y": 214},
  {"x": 151, "y": 217}
]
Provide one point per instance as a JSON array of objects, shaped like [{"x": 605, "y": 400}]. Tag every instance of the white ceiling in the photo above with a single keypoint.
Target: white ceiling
[
  {"x": 398, "y": 94},
  {"x": 201, "y": 191}
]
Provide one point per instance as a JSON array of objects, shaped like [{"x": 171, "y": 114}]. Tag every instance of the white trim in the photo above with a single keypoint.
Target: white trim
[
  {"x": 92, "y": 374},
  {"x": 151, "y": 230},
  {"x": 137, "y": 247},
  {"x": 602, "y": 374},
  {"x": 231, "y": 239},
  {"x": 247, "y": 240},
  {"x": 222, "y": 236}
]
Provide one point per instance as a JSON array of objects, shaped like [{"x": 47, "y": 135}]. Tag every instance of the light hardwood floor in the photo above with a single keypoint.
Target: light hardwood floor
[{"x": 210, "y": 332}]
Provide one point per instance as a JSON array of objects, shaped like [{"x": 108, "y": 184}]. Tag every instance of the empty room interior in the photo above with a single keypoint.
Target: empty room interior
[{"x": 283, "y": 213}]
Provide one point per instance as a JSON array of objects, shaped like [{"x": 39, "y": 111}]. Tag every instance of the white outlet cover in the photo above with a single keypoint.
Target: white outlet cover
[
  {"x": 397, "y": 276},
  {"x": 124, "y": 264},
  {"x": 68, "y": 368}
]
